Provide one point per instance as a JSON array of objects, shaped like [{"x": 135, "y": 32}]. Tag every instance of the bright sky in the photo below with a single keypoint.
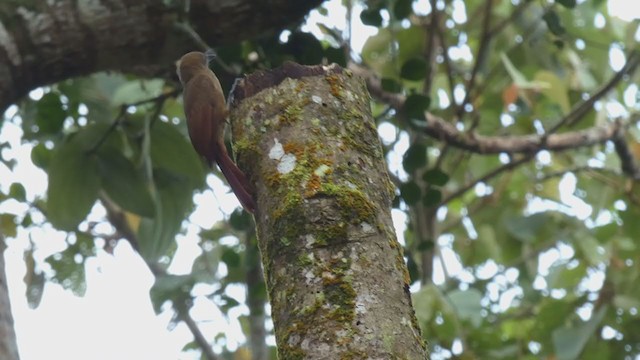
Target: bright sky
[{"x": 115, "y": 320}]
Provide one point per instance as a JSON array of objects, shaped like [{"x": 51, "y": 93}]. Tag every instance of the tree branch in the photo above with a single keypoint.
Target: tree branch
[
  {"x": 495, "y": 172},
  {"x": 581, "y": 109},
  {"x": 442, "y": 130},
  {"x": 479, "y": 58},
  {"x": 628, "y": 163},
  {"x": 202, "y": 342}
]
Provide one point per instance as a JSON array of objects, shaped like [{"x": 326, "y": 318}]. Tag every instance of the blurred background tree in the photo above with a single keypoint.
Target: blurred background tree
[{"x": 510, "y": 129}]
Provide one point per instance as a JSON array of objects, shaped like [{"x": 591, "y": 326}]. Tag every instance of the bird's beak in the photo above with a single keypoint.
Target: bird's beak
[{"x": 210, "y": 54}]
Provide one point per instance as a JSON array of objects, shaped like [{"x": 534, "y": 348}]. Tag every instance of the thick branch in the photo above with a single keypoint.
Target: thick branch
[{"x": 50, "y": 41}]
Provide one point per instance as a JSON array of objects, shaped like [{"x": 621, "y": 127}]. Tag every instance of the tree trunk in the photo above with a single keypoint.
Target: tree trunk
[
  {"x": 8, "y": 344},
  {"x": 335, "y": 273}
]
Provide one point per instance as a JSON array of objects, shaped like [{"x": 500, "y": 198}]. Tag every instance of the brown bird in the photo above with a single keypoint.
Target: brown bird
[{"x": 206, "y": 111}]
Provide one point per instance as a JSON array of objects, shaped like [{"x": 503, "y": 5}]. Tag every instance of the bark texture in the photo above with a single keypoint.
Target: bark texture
[
  {"x": 8, "y": 344},
  {"x": 335, "y": 273},
  {"x": 42, "y": 42}
]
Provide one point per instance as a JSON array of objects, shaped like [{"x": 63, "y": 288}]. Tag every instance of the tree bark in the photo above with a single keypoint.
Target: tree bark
[
  {"x": 335, "y": 273},
  {"x": 42, "y": 42},
  {"x": 8, "y": 344}
]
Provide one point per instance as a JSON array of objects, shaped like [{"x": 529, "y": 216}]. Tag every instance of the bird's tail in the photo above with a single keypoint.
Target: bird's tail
[{"x": 236, "y": 179}]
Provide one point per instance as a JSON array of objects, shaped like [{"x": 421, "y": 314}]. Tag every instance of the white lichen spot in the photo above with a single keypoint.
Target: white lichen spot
[
  {"x": 365, "y": 299},
  {"x": 316, "y": 99},
  {"x": 305, "y": 344},
  {"x": 366, "y": 227},
  {"x": 309, "y": 241},
  {"x": 348, "y": 95},
  {"x": 404, "y": 321},
  {"x": 351, "y": 185},
  {"x": 360, "y": 308},
  {"x": 277, "y": 151},
  {"x": 309, "y": 276},
  {"x": 294, "y": 339},
  {"x": 286, "y": 162},
  {"x": 321, "y": 170}
]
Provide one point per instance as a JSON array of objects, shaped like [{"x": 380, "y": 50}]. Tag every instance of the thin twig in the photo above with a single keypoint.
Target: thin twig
[
  {"x": 202, "y": 342},
  {"x": 580, "y": 110},
  {"x": 159, "y": 100},
  {"x": 514, "y": 15},
  {"x": 479, "y": 58},
  {"x": 486, "y": 177},
  {"x": 430, "y": 47}
]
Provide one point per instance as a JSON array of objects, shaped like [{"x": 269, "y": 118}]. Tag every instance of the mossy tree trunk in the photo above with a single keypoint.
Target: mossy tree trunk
[{"x": 335, "y": 273}]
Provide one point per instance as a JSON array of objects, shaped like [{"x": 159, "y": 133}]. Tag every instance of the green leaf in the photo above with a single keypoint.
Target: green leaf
[
  {"x": 8, "y": 226},
  {"x": 169, "y": 287},
  {"x": 415, "y": 158},
  {"x": 487, "y": 246},
  {"x": 561, "y": 277},
  {"x": 570, "y": 341},
  {"x": 553, "y": 22},
  {"x": 591, "y": 249},
  {"x": 336, "y": 55},
  {"x": 240, "y": 220},
  {"x": 426, "y": 302},
  {"x": 519, "y": 78},
  {"x": 137, "y": 90},
  {"x": 526, "y": 228},
  {"x": 402, "y": 8},
  {"x": 230, "y": 257},
  {"x": 412, "y": 267},
  {"x": 18, "y": 192},
  {"x": 467, "y": 304},
  {"x": 50, "y": 113},
  {"x": 34, "y": 280},
  {"x": 630, "y": 222},
  {"x": 435, "y": 177},
  {"x": 125, "y": 184},
  {"x": 205, "y": 266},
  {"x": 626, "y": 302},
  {"x": 173, "y": 200},
  {"x": 41, "y": 156},
  {"x": 432, "y": 197},
  {"x": 556, "y": 90},
  {"x": 569, "y": 4},
  {"x": 391, "y": 85},
  {"x": 171, "y": 151},
  {"x": 371, "y": 17},
  {"x": 73, "y": 183},
  {"x": 415, "y": 105},
  {"x": 305, "y": 47},
  {"x": 414, "y": 69},
  {"x": 410, "y": 192},
  {"x": 69, "y": 265}
]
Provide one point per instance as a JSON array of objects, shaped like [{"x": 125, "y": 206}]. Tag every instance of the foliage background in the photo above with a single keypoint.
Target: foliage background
[{"x": 516, "y": 254}]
